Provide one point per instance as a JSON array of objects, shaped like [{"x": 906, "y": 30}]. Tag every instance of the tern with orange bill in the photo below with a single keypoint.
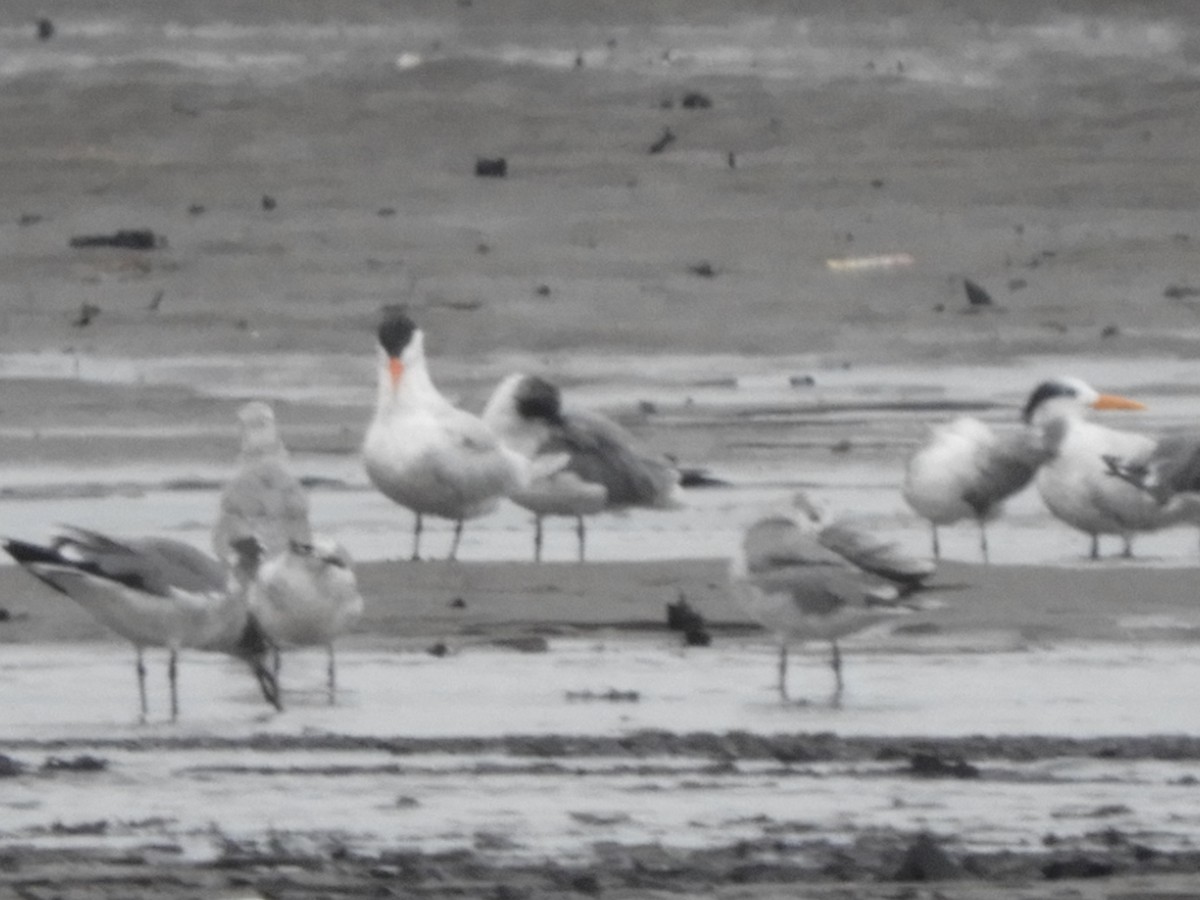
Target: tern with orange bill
[
  {"x": 425, "y": 453},
  {"x": 1075, "y": 482}
]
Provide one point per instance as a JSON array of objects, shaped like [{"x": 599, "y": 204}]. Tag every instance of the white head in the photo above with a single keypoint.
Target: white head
[
  {"x": 259, "y": 434},
  {"x": 1065, "y": 397}
]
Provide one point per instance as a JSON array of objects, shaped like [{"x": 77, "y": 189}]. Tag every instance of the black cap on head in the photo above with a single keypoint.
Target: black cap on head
[
  {"x": 537, "y": 398},
  {"x": 1047, "y": 390},
  {"x": 396, "y": 330}
]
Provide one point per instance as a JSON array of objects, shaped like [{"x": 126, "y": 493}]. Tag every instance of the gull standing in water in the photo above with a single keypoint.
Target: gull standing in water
[
  {"x": 966, "y": 470},
  {"x": 264, "y": 500},
  {"x": 801, "y": 590},
  {"x": 1075, "y": 482},
  {"x": 154, "y": 592},
  {"x": 306, "y": 596},
  {"x": 427, "y": 454},
  {"x": 605, "y": 471}
]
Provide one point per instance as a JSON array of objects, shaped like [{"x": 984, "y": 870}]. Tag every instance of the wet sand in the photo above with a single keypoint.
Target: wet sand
[{"x": 307, "y": 165}]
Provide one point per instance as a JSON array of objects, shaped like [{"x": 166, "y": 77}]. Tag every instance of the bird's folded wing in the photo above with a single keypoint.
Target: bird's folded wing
[
  {"x": 822, "y": 590},
  {"x": 1176, "y": 459},
  {"x": 603, "y": 452},
  {"x": 875, "y": 555},
  {"x": 182, "y": 566},
  {"x": 1004, "y": 467},
  {"x": 154, "y": 565}
]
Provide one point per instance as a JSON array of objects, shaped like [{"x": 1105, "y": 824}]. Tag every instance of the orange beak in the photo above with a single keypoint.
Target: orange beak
[
  {"x": 1115, "y": 401},
  {"x": 396, "y": 370}
]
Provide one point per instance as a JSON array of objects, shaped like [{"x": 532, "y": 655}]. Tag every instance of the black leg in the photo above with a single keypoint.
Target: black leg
[
  {"x": 141, "y": 677},
  {"x": 417, "y": 527},
  {"x": 783, "y": 661},
  {"x": 836, "y": 662},
  {"x": 173, "y": 678},
  {"x": 332, "y": 678}
]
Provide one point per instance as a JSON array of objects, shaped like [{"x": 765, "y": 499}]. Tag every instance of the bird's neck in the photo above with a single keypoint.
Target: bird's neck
[
  {"x": 414, "y": 389},
  {"x": 1055, "y": 420},
  {"x": 259, "y": 446},
  {"x": 1054, "y": 432}
]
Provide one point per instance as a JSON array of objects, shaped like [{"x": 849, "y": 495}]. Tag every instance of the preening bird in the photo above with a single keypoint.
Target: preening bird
[
  {"x": 967, "y": 470},
  {"x": 264, "y": 500},
  {"x": 801, "y": 590},
  {"x": 154, "y": 592},
  {"x": 306, "y": 596},
  {"x": 605, "y": 468},
  {"x": 425, "y": 453}
]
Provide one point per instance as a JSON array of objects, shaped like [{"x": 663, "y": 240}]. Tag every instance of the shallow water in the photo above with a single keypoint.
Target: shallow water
[
  {"x": 77, "y": 692},
  {"x": 198, "y": 796},
  {"x": 843, "y": 438},
  {"x": 80, "y": 699}
]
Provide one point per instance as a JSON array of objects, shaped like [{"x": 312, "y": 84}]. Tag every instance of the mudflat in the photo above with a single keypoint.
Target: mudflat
[{"x": 746, "y": 232}]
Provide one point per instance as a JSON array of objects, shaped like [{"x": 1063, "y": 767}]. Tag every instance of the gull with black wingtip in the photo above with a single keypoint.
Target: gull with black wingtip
[{"x": 154, "y": 592}]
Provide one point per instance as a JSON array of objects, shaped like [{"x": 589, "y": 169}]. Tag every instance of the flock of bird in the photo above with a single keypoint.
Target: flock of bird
[
  {"x": 274, "y": 584},
  {"x": 1096, "y": 479}
]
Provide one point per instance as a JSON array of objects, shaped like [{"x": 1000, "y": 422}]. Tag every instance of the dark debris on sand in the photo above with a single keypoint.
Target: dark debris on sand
[{"x": 877, "y": 864}]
